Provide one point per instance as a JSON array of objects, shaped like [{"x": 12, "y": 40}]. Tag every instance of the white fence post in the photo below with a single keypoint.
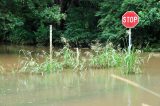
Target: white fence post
[{"x": 51, "y": 48}]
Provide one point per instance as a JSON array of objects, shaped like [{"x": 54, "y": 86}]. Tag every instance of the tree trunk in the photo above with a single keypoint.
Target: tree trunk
[{"x": 65, "y": 4}]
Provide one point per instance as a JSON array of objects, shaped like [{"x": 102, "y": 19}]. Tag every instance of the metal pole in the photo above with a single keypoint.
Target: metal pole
[
  {"x": 50, "y": 47},
  {"x": 130, "y": 41}
]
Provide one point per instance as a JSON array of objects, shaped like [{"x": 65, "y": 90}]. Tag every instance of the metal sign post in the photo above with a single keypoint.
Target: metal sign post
[
  {"x": 129, "y": 20},
  {"x": 130, "y": 41}
]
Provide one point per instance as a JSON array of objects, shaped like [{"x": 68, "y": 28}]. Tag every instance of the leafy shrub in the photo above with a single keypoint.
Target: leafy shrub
[{"x": 111, "y": 12}]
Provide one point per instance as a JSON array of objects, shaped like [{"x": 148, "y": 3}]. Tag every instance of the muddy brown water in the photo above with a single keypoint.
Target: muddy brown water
[{"x": 90, "y": 88}]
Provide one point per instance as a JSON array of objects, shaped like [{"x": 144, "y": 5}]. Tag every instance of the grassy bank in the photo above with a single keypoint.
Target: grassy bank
[{"x": 99, "y": 57}]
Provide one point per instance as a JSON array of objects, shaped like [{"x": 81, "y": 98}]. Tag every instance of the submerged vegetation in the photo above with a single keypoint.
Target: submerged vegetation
[
  {"x": 81, "y": 22},
  {"x": 131, "y": 62},
  {"x": 100, "y": 57}
]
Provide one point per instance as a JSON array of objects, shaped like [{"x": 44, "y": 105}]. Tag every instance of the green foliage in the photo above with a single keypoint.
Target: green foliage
[
  {"x": 81, "y": 23},
  {"x": 106, "y": 57},
  {"x": 67, "y": 59},
  {"x": 51, "y": 14},
  {"x": 132, "y": 62},
  {"x": 27, "y": 22},
  {"x": 110, "y": 14},
  {"x": 110, "y": 21},
  {"x": 20, "y": 35},
  {"x": 42, "y": 34},
  {"x": 9, "y": 22},
  {"x": 54, "y": 66},
  {"x": 1, "y": 69}
]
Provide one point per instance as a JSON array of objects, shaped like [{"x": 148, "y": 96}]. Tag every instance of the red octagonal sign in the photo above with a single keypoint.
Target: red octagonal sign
[{"x": 130, "y": 19}]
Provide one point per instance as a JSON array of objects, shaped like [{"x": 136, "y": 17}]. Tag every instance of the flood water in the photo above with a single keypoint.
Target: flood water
[{"x": 89, "y": 88}]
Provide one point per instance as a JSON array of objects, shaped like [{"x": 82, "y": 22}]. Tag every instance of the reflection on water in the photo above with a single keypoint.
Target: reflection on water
[
  {"x": 76, "y": 89},
  {"x": 10, "y": 55},
  {"x": 90, "y": 88}
]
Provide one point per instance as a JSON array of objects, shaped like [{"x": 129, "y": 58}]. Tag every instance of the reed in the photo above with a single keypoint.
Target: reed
[
  {"x": 101, "y": 57},
  {"x": 132, "y": 62},
  {"x": 1, "y": 69},
  {"x": 106, "y": 57}
]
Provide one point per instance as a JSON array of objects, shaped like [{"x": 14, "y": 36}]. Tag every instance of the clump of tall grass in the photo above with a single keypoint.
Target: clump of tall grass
[
  {"x": 32, "y": 64},
  {"x": 109, "y": 57},
  {"x": 105, "y": 57},
  {"x": 64, "y": 58},
  {"x": 68, "y": 57},
  {"x": 1, "y": 69},
  {"x": 132, "y": 62},
  {"x": 99, "y": 56},
  {"x": 54, "y": 66},
  {"x": 28, "y": 63}
]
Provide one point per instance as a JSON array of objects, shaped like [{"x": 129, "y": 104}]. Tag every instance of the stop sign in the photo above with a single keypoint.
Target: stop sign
[{"x": 130, "y": 19}]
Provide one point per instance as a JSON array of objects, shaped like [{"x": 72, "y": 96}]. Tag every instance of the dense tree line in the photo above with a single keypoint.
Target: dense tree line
[{"x": 80, "y": 21}]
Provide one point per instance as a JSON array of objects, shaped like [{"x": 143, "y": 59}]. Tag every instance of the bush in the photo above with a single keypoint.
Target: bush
[
  {"x": 111, "y": 12},
  {"x": 100, "y": 57}
]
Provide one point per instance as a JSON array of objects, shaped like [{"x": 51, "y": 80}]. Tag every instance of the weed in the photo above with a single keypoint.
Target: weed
[
  {"x": 106, "y": 57},
  {"x": 1, "y": 69},
  {"x": 99, "y": 57},
  {"x": 132, "y": 62}
]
